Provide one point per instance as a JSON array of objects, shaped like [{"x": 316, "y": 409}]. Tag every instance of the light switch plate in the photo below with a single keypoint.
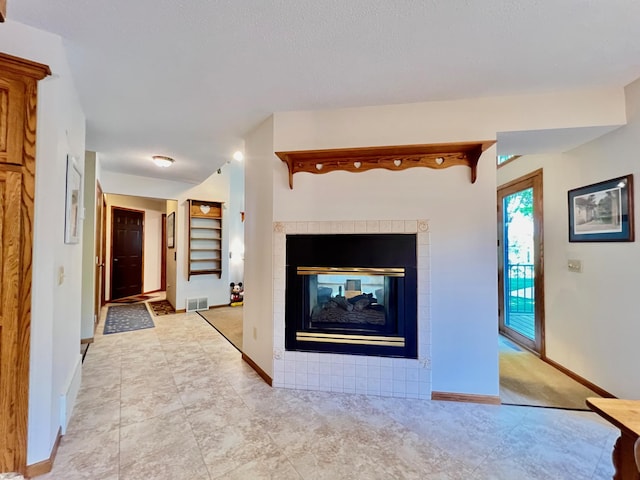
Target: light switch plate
[{"x": 574, "y": 266}]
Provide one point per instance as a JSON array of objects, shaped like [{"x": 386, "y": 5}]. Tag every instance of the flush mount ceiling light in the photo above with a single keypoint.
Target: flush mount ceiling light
[
  {"x": 238, "y": 155},
  {"x": 162, "y": 161}
]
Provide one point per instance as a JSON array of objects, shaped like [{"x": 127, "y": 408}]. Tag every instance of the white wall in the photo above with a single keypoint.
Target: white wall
[
  {"x": 214, "y": 188},
  {"x": 462, "y": 227},
  {"x": 260, "y": 164},
  {"x": 153, "y": 210},
  {"x": 172, "y": 278},
  {"x": 55, "y": 313},
  {"x": 590, "y": 317},
  {"x": 235, "y": 224},
  {"x": 461, "y": 215}
]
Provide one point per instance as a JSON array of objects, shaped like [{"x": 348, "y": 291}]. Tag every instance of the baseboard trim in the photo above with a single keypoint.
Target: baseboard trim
[
  {"x": 45, "y": 466},
  {"x": 466, "y": 397},
  {"x": 182, "y": 310},
  {"x": 86, "y": 340},
  {"x": 258, "y": 370},
  {"x": 153, "y": 291},
  {"x": 591, "y": 386}
]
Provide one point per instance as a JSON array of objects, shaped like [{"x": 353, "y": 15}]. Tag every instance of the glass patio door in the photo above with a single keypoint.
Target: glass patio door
[{"x": 520, "y": 261}]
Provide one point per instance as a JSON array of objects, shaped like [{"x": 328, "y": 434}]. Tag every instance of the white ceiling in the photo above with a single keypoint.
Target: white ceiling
[{"x": 188, "y": 78}]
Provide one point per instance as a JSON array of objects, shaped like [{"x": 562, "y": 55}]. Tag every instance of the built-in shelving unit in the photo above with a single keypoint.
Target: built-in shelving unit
[
  {"x": 397, "y": 157},
  {"x": 205, "y": 238}
]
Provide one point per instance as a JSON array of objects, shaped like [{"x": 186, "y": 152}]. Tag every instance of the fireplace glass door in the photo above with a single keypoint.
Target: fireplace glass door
[
  {"x": 332, "y": 306},
  {"x": 351, "y": 299}
]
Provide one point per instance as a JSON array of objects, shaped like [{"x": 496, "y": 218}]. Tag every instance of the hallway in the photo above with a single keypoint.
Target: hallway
[{"x": 177, "y": 402}]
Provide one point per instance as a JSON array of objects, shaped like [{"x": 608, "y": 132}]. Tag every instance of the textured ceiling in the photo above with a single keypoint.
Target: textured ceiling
[{"x": 188, "y": 78}]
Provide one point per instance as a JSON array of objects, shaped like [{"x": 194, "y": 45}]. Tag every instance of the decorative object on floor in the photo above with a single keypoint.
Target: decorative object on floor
[
  {"x": 132, "y": 299},
  {"x": 126, "y": 318},
  {"x": 602, "y": 212},
  {"x": 162, "y": 307},
  {"x": 227, "y": 321},
  {"x": 237, "y": 294}
]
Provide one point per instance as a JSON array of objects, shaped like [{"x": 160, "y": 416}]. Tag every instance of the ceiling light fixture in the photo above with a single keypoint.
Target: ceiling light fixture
[
  {"x": 162, "y": 161},
  {"x": 238, "y": 155}
]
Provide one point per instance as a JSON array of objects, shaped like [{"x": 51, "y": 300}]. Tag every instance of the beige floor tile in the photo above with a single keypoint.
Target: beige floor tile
[{"x": 177, "y": 402}]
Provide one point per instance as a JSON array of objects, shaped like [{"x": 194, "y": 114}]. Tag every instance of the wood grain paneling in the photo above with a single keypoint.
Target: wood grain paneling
[
  {"x": 4, "y": 118},
  {"x": 12, "y": 106},
  {"x": 18, "y": 84}
]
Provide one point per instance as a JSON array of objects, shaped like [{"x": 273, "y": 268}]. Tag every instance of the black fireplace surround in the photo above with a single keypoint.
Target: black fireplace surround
[{"x": 352, "y": 294}]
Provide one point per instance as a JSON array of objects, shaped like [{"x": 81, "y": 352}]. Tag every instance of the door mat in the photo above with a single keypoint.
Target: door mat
[
  {"x": 162, "y": 307},
  {"x": 132, "y": 299},
  {"x": 126, "y": 318}
]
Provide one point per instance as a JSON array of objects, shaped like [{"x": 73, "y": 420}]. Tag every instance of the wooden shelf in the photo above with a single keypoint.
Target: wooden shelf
[
  {"x": 205, "y": 235},
  {"x": 399, "y": 157}
]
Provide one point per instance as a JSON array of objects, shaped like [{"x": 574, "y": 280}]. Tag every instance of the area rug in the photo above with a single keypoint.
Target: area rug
[
  {"x": 228, "y": 321},
  {"x": 161, "y": 307},
  {"x": 126, "y": 318},
  {"x": 132, "y": 299}
]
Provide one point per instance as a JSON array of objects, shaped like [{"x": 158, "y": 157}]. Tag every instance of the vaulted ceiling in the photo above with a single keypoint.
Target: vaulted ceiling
[{"x": 188, "y": 78}]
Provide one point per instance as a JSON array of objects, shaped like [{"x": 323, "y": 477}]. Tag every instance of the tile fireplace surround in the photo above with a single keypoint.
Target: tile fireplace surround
[{"x": 384, "y": 376}]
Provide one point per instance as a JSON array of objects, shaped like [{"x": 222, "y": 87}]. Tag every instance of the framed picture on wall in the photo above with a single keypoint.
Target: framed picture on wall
[
  {"x": 602, "y": 212},
  {"x": 171, "y": 230},
  {"x": 72, "y": 202}
]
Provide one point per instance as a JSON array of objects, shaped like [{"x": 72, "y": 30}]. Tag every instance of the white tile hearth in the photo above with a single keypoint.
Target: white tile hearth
[{"x": 383, "y": 376}]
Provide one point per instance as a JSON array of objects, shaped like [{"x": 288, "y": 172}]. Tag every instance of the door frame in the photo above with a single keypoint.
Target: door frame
[
  {"x": 142, "y": 212},
  {"x": 103, "y": 298},
  {"x": 530, "y": 180},
  {"x": 98, "y": 294},
  {"x": 163, "y": 254}
]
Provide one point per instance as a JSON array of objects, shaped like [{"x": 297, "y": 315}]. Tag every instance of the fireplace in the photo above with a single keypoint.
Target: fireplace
[{"x": 352, "y": 293}]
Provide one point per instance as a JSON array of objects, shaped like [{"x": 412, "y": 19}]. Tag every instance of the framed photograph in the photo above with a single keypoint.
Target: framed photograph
[
  {"x": 602, "y": 212},
  {"x": 171, "y": 230},
  {"x": 72, "y": 202}
]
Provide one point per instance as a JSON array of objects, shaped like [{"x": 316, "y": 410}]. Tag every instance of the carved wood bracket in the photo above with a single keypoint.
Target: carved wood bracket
[{"x": 398, "y": 157}]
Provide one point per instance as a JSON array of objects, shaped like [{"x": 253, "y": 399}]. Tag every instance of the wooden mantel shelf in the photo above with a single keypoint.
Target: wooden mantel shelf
[{"x": 398, "y": 157}]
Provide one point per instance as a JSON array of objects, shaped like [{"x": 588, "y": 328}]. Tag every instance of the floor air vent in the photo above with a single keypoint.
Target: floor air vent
[{"x": 195, "y": 304}]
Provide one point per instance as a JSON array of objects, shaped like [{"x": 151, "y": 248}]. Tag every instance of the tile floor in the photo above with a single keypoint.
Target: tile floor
[{"x": 177, "y": 402}]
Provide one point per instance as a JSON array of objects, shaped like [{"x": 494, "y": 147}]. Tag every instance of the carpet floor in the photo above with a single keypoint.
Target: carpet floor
[
  {"x": 161, "y": 307},
  {"x": 228, "y": 321},
  {"x": 126, "y": 318},
  {"x": 527, "y": 380}
]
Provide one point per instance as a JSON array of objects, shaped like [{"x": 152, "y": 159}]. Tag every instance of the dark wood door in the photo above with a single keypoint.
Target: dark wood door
[{"x": 127, "y": 229}]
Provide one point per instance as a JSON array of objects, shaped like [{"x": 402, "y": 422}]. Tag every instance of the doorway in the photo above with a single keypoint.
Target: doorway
[
  {"x": 520, "y": 262},
  {"x": 127, "y": 227}
]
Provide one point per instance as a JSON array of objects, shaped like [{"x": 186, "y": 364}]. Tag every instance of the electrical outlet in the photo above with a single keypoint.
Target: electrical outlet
[
  {"x": 255, "y": 333},
  {"x": 574, "y": 266},
  {"x": 60, "y": 275}
]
